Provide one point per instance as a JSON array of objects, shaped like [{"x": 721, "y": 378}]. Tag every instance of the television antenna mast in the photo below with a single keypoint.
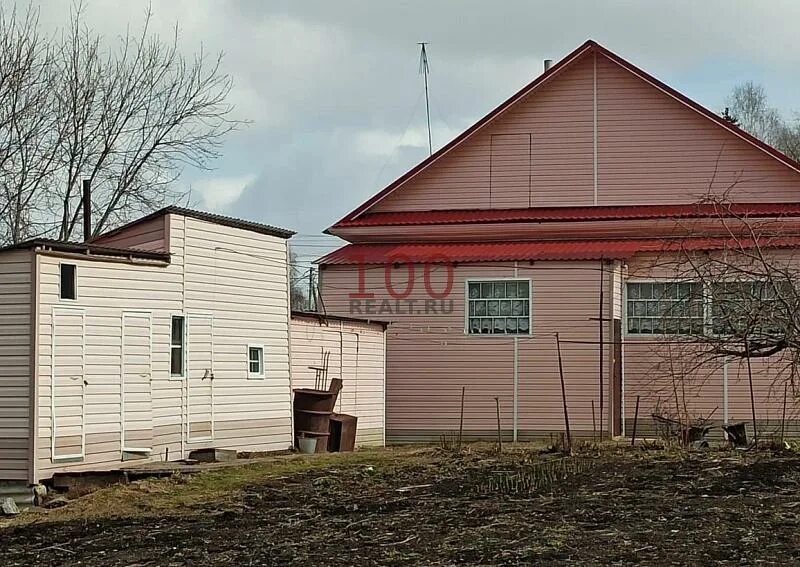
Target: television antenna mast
[{"x": 424, "y": 69}]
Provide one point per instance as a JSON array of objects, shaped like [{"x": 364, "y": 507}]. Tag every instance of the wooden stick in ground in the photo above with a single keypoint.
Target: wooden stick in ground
[
  {"x": 783, "y": 415},
  {"x": 635, "y": 421},
  {"x": 461, "y": 421},
  {"x": 594, "y": 424},
  {"x": 564, "y": 396},
  {"x": 752, "y": 396},
  {"x": 499, "y": 434}
]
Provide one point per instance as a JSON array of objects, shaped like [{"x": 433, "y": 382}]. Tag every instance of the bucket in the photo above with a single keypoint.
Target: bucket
[{"x": 307, "y": 445}]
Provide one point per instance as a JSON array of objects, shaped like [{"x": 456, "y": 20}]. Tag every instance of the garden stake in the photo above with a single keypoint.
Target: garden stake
[
  {"x": 499, "y": 435},
  {"x": 635, "y": 421},
  {"x": 783, "y": 415},
  {"x": 564, "y": 396},
  {"x": 752, "y": 397},
  {"x": 461, "y": 422}
]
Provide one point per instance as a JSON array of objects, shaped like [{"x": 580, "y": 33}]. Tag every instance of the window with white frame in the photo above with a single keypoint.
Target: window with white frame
[
  {"x": 499, "y": 307},
  {"x": 177, "y": 346},
  {"x": 255, "y": 361},
  {"x": 665, "y": 308}
]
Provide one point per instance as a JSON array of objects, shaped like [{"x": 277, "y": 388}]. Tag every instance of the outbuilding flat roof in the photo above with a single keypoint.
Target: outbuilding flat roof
[
  {"x": 87, "y": 248},
  {"x": 209, "y": 217}
]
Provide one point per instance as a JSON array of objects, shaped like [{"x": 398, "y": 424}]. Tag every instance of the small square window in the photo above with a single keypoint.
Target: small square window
[
  {"x": 67, "y": 288},
  {"x": 255, "y": 361}
]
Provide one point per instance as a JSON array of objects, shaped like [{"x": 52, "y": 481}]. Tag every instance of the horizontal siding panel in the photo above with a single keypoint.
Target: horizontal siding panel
[{"x": 16, "y": 304}]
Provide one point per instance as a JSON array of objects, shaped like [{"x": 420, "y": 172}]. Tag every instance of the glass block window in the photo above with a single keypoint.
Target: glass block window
[
  {"x": 499, "y": 307},
  {"x": 749, "y": 309},
  {"x": 665, "y": 308}
]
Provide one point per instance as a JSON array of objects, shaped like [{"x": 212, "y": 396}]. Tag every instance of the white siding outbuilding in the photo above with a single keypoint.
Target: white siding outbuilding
[{"x": 167, "y": 335}]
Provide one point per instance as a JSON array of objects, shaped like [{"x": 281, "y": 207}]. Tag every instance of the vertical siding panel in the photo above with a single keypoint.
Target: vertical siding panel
[
  {"x": 15, "y": 367},
  {"x": 547, "y": 136},
  {"x": 655, "y": 150}
]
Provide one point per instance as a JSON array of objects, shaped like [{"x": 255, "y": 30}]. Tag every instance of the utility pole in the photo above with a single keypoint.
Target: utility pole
[
  {"x": 424, "y": 69},
  {"x": 310, "y": 304}
]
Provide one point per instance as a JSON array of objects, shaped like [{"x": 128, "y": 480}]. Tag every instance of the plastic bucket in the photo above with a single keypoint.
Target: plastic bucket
[{"x": 307, "y": 445}]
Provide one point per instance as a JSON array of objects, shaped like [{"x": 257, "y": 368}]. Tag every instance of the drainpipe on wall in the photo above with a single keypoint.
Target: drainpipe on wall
[
  {"x": 516, "y": 369},
  {"x": 725, "y": 390}
]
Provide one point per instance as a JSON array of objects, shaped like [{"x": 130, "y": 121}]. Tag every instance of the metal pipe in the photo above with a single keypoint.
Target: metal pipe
[
  {"x": 564, "y": 395},
  {"x": 87, "y": 210},
  {"x": 725, "y": 390},
  {"x": 547, "y": 64}
]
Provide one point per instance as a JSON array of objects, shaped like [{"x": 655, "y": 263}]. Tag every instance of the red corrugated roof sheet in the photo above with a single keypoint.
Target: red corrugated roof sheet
[
  {"x": 537, "y": 250},
  {"x": 553, "y": 214}
]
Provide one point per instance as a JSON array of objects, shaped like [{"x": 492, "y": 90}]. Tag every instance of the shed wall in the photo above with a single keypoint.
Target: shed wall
[
  {"x": 150, "y": 235},
  {"x": 16, "y": 306},
  {"x": 356, "y": 356},
  {"x": 235, "y": 276}
]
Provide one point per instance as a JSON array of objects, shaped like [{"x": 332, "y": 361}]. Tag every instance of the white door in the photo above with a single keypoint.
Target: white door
[
  {"x": 200, "y": 378},
  {"x": 137, "y": 395},
  {"x": 67, "y": 401}
]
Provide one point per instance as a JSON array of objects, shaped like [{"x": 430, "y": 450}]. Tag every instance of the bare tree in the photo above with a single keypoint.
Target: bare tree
[
  {"x": 749, "y": 106},
  {"x": 28, "y": 126},
  {"x": 297, "y": 278},
  {"x": 730, "y": 294},
  {"x": 129, "y": 116}
]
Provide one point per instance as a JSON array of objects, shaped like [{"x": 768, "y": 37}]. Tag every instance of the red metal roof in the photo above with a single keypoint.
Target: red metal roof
[
  {"x": 443, "y": 253},
  {"x": 552, "y": 214},
  {"x": 554, "y": 70}
]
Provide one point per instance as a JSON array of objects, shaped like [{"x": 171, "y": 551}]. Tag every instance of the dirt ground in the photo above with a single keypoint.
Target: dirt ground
[{"x": 432, "y": 507}]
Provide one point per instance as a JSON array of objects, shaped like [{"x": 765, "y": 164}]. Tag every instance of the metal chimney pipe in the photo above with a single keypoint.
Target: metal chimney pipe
[
  {"x": 547, "y": 64},
  {"x": 87, "y": 210}
]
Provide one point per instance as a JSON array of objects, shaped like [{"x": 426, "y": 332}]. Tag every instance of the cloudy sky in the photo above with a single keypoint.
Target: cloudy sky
[{"x": 335, "y": 99}]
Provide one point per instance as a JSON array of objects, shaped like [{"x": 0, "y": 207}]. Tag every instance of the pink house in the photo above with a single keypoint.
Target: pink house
[{"x": 539, "y": 220}]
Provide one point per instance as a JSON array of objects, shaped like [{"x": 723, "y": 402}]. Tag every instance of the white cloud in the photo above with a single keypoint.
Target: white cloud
[
  {"x": 219, "y": 192},
  {"x": 386, "y": 143}
]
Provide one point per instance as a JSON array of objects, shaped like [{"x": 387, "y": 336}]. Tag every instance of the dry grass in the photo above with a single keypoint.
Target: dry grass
[{"x": 183, "y": 494}]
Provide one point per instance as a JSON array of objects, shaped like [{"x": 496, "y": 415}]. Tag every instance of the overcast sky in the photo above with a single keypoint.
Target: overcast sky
[{"x": 335, "y": 99}]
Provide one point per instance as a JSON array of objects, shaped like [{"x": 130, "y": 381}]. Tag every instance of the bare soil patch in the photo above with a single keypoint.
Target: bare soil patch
[{"x": 429, "y": 507}]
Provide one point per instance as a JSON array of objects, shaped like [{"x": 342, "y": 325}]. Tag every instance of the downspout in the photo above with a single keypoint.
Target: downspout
[
  {"x": 725, "y": 390},
  {"x": 617, "y": 405},
  {"x": 516, "y": 370},
  {"x": 383, "y": 413}
]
